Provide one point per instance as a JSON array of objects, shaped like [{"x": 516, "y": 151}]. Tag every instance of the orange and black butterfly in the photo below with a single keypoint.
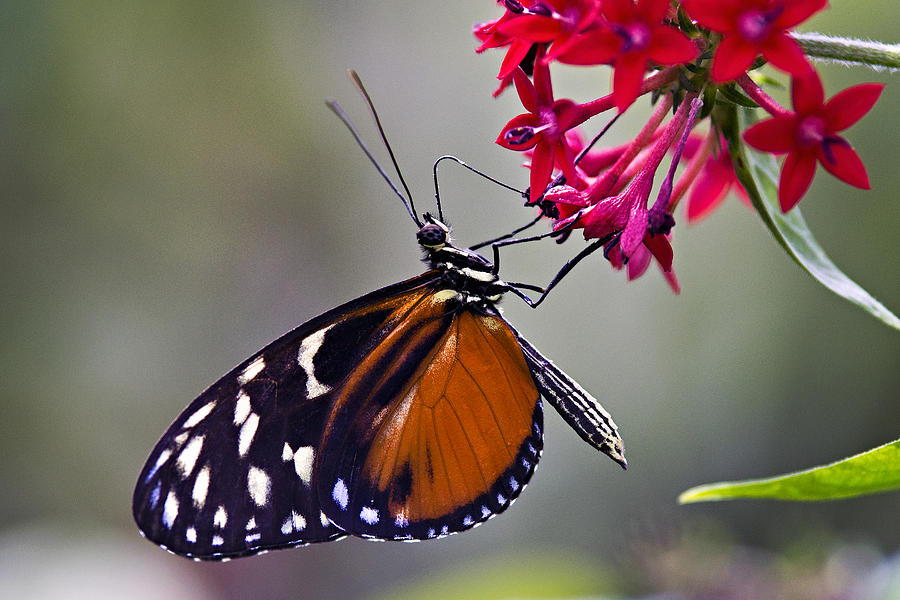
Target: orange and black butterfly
[{"x": 411, "y": 413}]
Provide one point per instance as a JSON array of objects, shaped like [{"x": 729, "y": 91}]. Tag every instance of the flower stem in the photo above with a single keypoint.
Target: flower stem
[
  {"x": 850, "y": 51},
  {"x": 665, "y": 191},
  {"x": 654, "y": 82},
  {"x": 757, "y": 94}
]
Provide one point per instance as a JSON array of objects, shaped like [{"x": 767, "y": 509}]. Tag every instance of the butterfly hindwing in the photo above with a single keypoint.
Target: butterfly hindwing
[
  {"x": 233, "y": 474},
  {"x": 439, "y": 429}
]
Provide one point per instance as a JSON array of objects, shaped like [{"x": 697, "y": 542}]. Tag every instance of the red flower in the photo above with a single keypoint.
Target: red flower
[
  {"x": 624, "y": 219},
  {"x": 714, "y": 179},
  {"x": 543, "y": 128},
  {"x": 632, "y": 36},
  {"x": 491, "y": 37},
  {"x": 655, "y": 246},
  {"x": 555, "y": 21},
  {"x": 753, "y": 27},
  {"x": 810, "y": 135}
]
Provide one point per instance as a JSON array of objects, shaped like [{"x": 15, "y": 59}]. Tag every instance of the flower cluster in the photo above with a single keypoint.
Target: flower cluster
[{"x": 692, "y": 57}]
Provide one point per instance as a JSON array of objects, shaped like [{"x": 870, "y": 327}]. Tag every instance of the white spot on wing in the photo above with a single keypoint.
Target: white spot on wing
[
  {"x": 220, "y": 519},
  {"x": 190, "y": 535},
  {"x": 252, "y": 537},
  {"x": 170, "y": 510},
  {"x": 200, "y": 414},
  {"x": 286, "y": 453},
  {"x": 298, "y": 521},
  {"x": 188, "y": 457},
  {"x": 259, "y": 485},
  {"x": 303, "y": 463},
  {"x": 163, "y": 457},
  {"x": 217, "y": 540},
  {"x": 467, "y": 520},
  {"x": 241, "y": 407},
  {"x": 251, "y": 524},
  {"x": 179, "y": 439},
  {"x": 341, "y": 494},
  {"x": 154, "y": 495},
  {"x": 401, "y": 519},
  {"x": 201, "y": 487},
  {"x": 248, "y": 430},
  {"x": 324, "y": 519},
  {"x": 308, "y": 349},
  {"x": 287, "y": 526},
  {"x": 513, "y": 484},
  {"x": 251, "y": 371},
  {"x": 369, "y": 515}
]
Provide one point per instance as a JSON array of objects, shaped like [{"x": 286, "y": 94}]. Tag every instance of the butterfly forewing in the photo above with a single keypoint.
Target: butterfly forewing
[
  {"x": 440, "y": 430},
  {"x": 233, "y": 474}
]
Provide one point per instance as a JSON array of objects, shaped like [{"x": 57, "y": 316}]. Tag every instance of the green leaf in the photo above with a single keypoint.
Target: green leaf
[
  {"x": 758, "y": 173},
  {"x": 731, "y": 94},
  {"x": 877, "y": 470}
]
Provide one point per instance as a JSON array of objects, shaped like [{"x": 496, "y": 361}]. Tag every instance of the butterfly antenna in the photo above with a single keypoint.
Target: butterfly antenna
[
  {"x": 596, "y": 138},
  {"x": 437, "y": 191},
  {"x": 406, "y": 199},
  {"x": 354, "y": 77}
]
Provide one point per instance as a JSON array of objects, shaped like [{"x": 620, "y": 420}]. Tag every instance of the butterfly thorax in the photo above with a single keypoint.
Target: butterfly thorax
[{"x": 463, "y": 271}]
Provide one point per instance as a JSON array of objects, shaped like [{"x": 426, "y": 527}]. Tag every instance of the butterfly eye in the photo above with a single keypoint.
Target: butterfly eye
[{"x": 432, "y": 236}]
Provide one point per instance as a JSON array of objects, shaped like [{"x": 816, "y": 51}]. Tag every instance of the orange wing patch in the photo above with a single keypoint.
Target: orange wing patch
[{"x": 459, "y": 426}]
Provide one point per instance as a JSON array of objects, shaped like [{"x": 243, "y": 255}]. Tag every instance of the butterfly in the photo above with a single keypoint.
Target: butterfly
[{"x": 411, "y": 413}]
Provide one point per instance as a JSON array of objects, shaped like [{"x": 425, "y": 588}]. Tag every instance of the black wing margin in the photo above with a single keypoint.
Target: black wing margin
[{"x": 574, "y": 404}]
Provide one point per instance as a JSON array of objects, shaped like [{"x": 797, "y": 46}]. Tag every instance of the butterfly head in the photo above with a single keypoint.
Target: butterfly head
[{"x": 433, "y": 235}]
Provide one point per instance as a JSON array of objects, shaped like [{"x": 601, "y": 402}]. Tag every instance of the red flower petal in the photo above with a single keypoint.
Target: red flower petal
[
  {"x": 652, "y": 11},
  {"x": 794, "y": 12},
  {"x": 773, "y": 135},
  {"x": 627, "y": 78},
  {"x": 661, "y": 249},
  {"x": 638, "y": 263},
  {"x": 849, "y": 106},
  {"x": 845, "y": 164},
  {"x": 565, "y": 161},
  {"x": 807, "y": 94},
  {"x": 568, "y": 115},
  {"x": 718, "y": 15},
  {"x": 534, "y": 28},
  {"x": 672, "y": 281},
  {"x": 786, "y": 54},
  {"x": 708, "y": 191},
  {"x": 618, "y": 11},
  {"x": 635, "y": 230},
  {"x": 523, "y": 120},
  {"x": 541, "y": 169},
  {"x": 526, "y": 90},
  {"x": 543, "y": 87},
  {"x": 668, "y": 46},
  {"x": 514, "y": 57},
  {"x": 595, "y": 47},
  {"x": 733, "y": 57},
  {"x": 796, "y": 177}
]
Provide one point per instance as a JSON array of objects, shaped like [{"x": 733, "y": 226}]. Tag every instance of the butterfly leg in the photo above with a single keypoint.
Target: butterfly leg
[{"x": 516, "y": 288}]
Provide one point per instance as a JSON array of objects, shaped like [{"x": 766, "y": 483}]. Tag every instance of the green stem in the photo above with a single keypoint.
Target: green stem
[{"x": 850, "y": 51}]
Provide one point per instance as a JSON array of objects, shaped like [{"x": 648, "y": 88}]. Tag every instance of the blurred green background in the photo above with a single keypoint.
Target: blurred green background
[{"x": 176, "y": 195}]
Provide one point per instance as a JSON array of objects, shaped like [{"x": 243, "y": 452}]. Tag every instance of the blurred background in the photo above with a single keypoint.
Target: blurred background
[{"x": 176, "y": 195}]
